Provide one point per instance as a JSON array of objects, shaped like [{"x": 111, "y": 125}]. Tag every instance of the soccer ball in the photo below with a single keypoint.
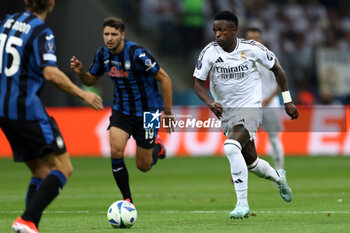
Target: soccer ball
[{"x": 122, "y": 214}]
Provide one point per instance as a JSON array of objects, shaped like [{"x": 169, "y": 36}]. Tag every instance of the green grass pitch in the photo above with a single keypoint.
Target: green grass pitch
[{"x": 189, "y": 195}]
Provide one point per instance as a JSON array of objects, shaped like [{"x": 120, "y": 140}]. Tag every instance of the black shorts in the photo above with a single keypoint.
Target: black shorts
[
  {"x": 32, "y": 139},
  {"x": 134, "y": 126}
]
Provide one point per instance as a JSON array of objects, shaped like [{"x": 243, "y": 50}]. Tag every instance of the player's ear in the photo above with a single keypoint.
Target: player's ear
[
  {"x": 51, "y": 2},
  {"x": 233, "y": 28},
  {"x": 123, "y": 35}
]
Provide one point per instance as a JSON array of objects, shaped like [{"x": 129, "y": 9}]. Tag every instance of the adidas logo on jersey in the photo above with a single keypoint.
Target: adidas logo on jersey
[{"x": 219, "y": 60}]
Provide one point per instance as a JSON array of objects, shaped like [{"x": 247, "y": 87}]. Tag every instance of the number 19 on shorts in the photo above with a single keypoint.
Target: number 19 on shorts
[{"x": 149, "y": 133}]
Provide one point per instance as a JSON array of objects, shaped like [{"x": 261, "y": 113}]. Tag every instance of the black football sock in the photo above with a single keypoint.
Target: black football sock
[
  {"x": 156, "y": 149},
  {"x": 48, "y": 190},
  {"x": 121, "y": 177},
  {"x": 32, "y": 188}
]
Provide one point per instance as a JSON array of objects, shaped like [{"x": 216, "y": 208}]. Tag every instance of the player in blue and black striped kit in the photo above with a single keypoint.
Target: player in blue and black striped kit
[
  {"x": 135, "y": 73},
  {"x": 27, "y": 59}
]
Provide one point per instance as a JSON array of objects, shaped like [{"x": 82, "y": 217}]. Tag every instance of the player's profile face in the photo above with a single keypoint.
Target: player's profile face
[
  {"x": 254, "y": 35},
  {"x": 225, "y": 33},
  {"x": 113, "y": 38}
]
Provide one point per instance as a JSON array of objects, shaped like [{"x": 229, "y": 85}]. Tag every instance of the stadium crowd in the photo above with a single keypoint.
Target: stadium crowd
[
  {"x": 176, "y": 30},
  {"x": 292, "y": 29}
]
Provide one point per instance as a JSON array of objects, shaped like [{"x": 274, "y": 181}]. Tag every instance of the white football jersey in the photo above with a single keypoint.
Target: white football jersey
[
  {"x": 234, "y": 78},
  {"x": 269, "y": 85}
]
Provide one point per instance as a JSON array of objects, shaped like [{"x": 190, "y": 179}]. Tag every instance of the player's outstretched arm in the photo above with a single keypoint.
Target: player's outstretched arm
[
  {"x": 60, "y": 80},
  {"x": 85, "y": 77},
  {"x": 202, "y": 93},
  {"x": 281, "y": 79},
  {"x": 167, "y": 93}
]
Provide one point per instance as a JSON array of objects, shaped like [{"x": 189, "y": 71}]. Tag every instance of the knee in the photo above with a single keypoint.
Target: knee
[
  {"x": 144, "y": 167},
  {"x": 63, "y": 164},
  {"x": 66, "y": 169},
  {"x": 117, "y": 152},
  {"x": 69, "y": 171}
]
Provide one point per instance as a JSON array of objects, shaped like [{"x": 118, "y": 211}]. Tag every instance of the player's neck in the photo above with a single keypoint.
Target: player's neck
[
  {"x": 119, "y": 48},
  {"x": 41, "y": 16},
  {"x": 231, "y": 47}
]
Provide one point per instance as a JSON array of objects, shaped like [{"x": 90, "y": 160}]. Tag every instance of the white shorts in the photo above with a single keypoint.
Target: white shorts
[{"x": 250, "y": 118}]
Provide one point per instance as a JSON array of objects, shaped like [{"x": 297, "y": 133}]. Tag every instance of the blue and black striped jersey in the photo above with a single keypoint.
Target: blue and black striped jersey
[
  {"x": 132, "y": 71},
  {"x": 26, "y": 46}
]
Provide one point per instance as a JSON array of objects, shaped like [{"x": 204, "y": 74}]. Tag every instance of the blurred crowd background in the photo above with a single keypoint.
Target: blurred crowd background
[{"x": 311, "y": 39}]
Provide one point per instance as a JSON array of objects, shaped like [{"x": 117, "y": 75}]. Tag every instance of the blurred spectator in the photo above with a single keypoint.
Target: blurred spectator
[
  {"x": 305, "y": 97},
  {"x": 168, "y": 15},
  {"x": 296, "y": 14},
  {"x": 326, "y": 98},
  {"x": 316, "y": 12},
  {"x": 192, "y": 24}
]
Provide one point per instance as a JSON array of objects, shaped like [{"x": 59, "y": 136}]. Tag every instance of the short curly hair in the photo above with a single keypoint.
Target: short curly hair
[
  {"x": 114, "y": 22},
  {"x": 228, "y": 16}
]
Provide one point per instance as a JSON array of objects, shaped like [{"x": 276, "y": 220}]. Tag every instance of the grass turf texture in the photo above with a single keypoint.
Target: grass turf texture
[{"x": 189, "y": 195}]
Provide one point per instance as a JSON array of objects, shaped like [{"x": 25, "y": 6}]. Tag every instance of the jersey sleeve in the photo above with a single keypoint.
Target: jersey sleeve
[
  {"x": 203, "y": 64},
  {"x": 264, "y": 56},
  {"x": 146, "y": 62},
  {"x": 44, "y": 48},
  {"x": 97, "y": 67}
]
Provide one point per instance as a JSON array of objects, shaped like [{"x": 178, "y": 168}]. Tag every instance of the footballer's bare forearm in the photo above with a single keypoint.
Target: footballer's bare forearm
[
  {"x": 61, "y": 81},
  {"x": 78, "y": 68},
  {"x": 281, "y": 77},
  {"x": 167, "y": 95},
  {"x": 87, "y": 79},
  {"x": 201, "y": 92},
  {"x": 166, "y": 87}
]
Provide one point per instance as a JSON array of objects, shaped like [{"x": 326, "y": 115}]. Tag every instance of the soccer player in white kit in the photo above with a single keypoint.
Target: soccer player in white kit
[
  {"x": 271, "y": 120},
  {"x": 235, "y": 85}
]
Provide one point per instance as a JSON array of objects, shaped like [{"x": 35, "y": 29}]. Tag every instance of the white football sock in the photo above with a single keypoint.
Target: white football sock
[
  {"x": 263, "y": 169},
  {"x": 277, "y": 150},
  {"x": 239, "y": 171}
]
